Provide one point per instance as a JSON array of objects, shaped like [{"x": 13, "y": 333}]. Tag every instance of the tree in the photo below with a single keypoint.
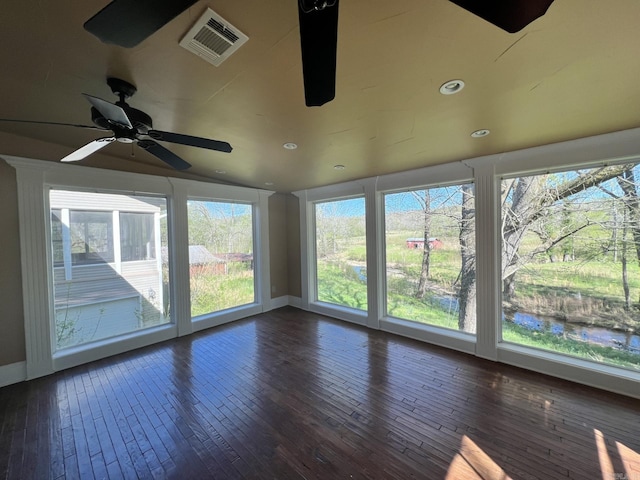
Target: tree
[
  {"x": 467, "y": 296},
  {"x": 528, "y": 199},
  {"x": 632, "y": 204},
  {"x": 525, "y": 200},
  {"x": 424, "y": 199}
]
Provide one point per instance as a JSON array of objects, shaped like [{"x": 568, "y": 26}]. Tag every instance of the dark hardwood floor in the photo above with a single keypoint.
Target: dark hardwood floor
[{"x": 289, "y": 394}]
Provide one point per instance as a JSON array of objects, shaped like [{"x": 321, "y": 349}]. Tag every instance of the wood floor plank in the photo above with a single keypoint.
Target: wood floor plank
[{"x": 294, "y": 395}]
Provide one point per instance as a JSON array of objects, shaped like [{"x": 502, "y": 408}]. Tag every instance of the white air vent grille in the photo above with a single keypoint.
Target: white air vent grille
[{"x": 213, "y": 38}]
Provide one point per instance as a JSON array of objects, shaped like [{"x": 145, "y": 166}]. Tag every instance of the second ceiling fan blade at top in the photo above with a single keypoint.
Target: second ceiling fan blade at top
[
  {"x": 318, "y": 42},
  {"x": 509, "y": 15},
  {"x": 126, "y": 23}
]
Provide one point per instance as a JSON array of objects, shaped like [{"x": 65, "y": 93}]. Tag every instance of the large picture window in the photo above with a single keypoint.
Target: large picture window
[
  {"x": 341, "y": 253},
  {"x": 430, "y": 256},
  {"x": 106, "y": 270},
  {"x": 221, "y": 266},
  {"x": 570, "y": 263},
  {"x": 99, "y": 291}
]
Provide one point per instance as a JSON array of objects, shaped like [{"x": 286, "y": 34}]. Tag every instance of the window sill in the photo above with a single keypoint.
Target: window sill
[
  {"x": 88, "y": 352},
  {"x": 607, "y": 377},
  {"x": 444, "y": 337}
]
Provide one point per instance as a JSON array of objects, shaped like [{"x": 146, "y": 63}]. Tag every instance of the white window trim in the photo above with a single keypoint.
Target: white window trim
[
  {"x": 485, "y": 172},
  {"x": 308, "y": 200},
  {"x": 212, "y": 319},
  {"x": 36, "y": 177}
]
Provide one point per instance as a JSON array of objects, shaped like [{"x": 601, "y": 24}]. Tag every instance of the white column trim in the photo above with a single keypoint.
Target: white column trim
[
  {"x": 488, "y": 279},
  {"x": 262, "y": 264},
  {"x": 179, "y": 277},
  {"x": 306, "y": 270},
  {"x": 36, "y": 277},
  {"x": 375, "y": 255}
]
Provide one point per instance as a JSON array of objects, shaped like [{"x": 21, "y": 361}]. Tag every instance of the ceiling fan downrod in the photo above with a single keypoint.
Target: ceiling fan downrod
[{"x": 308, "y": 6}]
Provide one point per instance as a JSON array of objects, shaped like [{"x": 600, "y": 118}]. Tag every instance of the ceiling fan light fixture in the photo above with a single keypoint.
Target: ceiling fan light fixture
[
  {"x": 480, "y": 133},
  {"x": 451, "y": 87}
]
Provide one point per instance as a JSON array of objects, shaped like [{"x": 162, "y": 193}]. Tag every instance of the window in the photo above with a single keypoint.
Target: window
[
  {"x": 91, "y": 237},
  {"x": 341, "y": 253},
  {"x": 430, "y": 256},
  {"x": 97, "y": 294},
  {"x": 221, "y": 264},
  {"x": 570, "y": 255},
  {"x": 56, "y": 237},
  {"x": 137, "y": 236}
]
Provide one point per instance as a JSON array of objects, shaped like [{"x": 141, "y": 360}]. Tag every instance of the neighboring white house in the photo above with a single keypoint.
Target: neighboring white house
[{"x": 106, "y": 251}]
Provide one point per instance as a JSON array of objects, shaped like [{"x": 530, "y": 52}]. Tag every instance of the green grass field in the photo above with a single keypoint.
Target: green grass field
[
  {"x": 214, "y": 292},
  {"x": 597, "y": 284}
]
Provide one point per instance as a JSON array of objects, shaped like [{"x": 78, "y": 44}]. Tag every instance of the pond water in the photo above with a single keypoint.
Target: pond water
[{"x": 598, "y": 335}]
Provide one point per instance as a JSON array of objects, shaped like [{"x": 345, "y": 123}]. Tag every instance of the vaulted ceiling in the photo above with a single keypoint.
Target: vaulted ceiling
[{"x": 572, "y": 73}]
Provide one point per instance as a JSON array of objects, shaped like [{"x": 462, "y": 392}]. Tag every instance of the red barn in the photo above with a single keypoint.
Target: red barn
[{"x": 434, "y": 243}]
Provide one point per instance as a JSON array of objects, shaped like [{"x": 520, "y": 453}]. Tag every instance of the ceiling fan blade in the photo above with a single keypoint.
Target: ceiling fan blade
[
  {"x": 126, "y": 23},
  {"x": 190, "y": 140},
  {"x": 509, "y": 15},
  {"x": 111, "y": 112},
  {"x": 318, "y": 41},
  {"x": 88, "y": 149},
  {"x": 92, "y": 127},
  {"x": 163, "y": 154}
]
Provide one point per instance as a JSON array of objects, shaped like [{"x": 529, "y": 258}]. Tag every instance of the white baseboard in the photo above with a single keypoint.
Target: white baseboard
[
  {"x": 13, "y": 373},
  {"x": 295, "y": 301},
  {"x": 279, "y": 302},
  {"x": 285, "y": 300}
]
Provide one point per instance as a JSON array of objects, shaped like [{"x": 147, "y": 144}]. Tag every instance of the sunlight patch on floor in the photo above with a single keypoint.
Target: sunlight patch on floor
[
  {"x": 626, "y": 460},
  {"x": 471, "y": 462}
]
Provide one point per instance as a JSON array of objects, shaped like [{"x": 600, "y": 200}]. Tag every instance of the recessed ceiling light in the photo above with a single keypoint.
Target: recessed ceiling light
[
  {"x": 451, "y": 87},
  {"x": 480, "y": 133},
  {"x": 290, "y": 146},
  {"x": 339, "y": 167},
  {"x": 268, "y": 183},
  {"x": 221, "y": 172}
]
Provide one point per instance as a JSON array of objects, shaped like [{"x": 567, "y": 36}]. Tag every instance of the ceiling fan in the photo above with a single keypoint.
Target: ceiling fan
[{"x": 129, "y": 125}]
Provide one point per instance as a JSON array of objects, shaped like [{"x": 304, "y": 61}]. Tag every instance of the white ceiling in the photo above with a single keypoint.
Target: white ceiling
[{"x": 570, "y": 74}]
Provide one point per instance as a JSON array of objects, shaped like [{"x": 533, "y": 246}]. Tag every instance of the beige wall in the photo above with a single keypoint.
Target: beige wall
[
  {"x": 278, "y": 244},
  {"x": 12, "y": 347},
  {"x": 293, "y": 245},
  {"x": 284, "y": 245}
]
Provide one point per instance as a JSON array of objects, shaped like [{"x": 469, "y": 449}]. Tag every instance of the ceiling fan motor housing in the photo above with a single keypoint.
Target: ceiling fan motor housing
[{"x": 141, "y": 122}]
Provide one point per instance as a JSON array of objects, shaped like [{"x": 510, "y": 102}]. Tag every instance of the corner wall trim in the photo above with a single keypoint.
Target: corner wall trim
[
  {"x": 295, "y": 301},
  {"x": 279, "y": 302}
]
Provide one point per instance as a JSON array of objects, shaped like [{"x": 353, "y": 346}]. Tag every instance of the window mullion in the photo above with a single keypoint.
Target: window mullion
[
  {"x": 66, "y": 244},
  {"x": 117, "y": 251}
]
